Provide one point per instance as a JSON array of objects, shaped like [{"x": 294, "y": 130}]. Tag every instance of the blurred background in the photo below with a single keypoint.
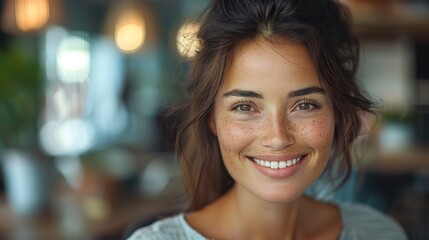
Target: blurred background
[{"x": 84, "y": 153}]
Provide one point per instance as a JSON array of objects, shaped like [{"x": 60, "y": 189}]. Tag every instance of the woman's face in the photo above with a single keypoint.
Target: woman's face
[{"x": 273, "y": 120}]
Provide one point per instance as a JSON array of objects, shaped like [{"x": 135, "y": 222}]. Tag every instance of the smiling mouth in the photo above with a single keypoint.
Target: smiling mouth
[{"x": 277, "y": 164}]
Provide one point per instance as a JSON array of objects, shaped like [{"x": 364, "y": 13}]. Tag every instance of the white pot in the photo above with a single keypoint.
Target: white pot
[{"x": 27, "y": 182}]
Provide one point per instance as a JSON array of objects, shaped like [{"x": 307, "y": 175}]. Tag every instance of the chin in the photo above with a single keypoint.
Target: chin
[{"x": 280, "y": 196}]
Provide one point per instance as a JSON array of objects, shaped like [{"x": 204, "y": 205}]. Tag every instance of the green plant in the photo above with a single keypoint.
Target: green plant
[{"x": 21, "y": 86}]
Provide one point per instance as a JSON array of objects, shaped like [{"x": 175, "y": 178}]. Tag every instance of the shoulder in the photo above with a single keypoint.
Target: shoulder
[
  {"x": 362, "y": 222},
  {"x": 168, "y": 228}
]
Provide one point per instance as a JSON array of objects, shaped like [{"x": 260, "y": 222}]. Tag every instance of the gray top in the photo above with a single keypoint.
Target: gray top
[{"x": 360, "y": 223}]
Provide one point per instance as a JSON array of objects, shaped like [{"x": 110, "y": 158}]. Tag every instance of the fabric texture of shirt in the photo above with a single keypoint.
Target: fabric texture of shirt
[{"x": 360, "y": 223}]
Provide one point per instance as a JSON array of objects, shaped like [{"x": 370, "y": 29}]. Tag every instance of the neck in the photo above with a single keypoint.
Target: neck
[
  {"x": 255, "y": 218},
  {"x": 241, "y": 215}
]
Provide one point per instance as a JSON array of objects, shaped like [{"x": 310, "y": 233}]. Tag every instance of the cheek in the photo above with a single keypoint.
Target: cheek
[
  {"x": 318, "y": 134},
  {"x": 233, "y": 137}
]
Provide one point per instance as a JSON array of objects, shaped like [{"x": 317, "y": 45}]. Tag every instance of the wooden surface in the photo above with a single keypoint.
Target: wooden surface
[
  {"x": 61, "y": 223},
  {"x": 411, "y": 160},
  {"x": 389, "y": 19}
]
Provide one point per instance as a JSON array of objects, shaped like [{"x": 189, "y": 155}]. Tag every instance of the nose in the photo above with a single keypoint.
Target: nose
[{"x": 277, "y": 133}]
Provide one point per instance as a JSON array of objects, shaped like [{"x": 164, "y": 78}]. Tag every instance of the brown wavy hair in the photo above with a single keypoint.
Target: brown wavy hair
[{"x": 323, "y": 26}]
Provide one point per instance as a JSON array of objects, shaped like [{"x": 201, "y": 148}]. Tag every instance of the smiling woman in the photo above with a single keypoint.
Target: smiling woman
[
  {"x": 283, "y": 119},
  {"x": 272, "y": 104}
]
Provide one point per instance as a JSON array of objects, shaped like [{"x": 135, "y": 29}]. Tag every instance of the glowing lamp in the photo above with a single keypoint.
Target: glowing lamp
[
  {"x": 27, "y": 16},
  {"x": 130, "y": 31},
  {"x": 31, "y": 14},
  {"x": 187, "y": 42}
]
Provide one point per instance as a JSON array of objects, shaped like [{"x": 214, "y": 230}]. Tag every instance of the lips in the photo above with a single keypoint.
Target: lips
[{"x": 277, "y": 164}]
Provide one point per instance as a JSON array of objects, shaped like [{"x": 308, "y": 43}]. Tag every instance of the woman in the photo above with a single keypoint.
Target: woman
[{"x": 272, "y": 104}]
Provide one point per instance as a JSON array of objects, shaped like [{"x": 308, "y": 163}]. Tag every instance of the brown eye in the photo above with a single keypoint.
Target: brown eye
[
  {"x": 305, "y": 106},
  {"x": 244, "y": 108}
]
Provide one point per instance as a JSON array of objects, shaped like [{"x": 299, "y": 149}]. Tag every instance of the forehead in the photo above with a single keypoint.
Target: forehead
[
  {"x": 278, "y": 51},
  {"x": 264, "y": 60}
]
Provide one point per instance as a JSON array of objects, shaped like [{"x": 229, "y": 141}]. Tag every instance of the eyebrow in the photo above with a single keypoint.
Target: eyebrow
[
  {"x": 242, "y": 93},
  {"x": 252, "y": 94},
  {"x": 306, "y": 91}
]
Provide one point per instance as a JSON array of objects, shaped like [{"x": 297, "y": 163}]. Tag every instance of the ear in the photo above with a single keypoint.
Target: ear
[{"x": 212, "y": 124}]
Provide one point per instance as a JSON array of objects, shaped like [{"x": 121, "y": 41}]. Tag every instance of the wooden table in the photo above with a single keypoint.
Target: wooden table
[{"x": 67, "y": 220}]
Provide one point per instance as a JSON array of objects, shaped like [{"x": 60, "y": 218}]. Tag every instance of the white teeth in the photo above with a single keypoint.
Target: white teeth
[
  {"x": 277, "y": 165},
  {"x": 274, "y": 165}
]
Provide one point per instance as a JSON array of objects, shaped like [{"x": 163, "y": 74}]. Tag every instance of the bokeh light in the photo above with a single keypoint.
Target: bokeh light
[
  {"x": 73, "y": 59},
  {"x": 130, "y": 31},
  {"x": 187, "y": 42},
  {"x": 31, "y": 14}
]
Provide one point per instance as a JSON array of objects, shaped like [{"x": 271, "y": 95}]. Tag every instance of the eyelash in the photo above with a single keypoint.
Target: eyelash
[
  {"x": 313, "y": 105},
  {"x": 241, "y": 103}
]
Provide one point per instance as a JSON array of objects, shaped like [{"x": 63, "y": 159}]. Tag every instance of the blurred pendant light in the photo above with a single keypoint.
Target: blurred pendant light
[
  {"x": 131, "y": 24},
  {"x": 27, "y": 16},
  {"x": 31, "y": 14},
  {"x": 130, "y": 31}
]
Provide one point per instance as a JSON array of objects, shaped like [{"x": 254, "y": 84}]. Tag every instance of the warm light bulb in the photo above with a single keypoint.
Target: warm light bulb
[
  {"x": 187, "y": 41},
  {"x": 130, "y": 31},
  {"x": 31, "y": 14}
]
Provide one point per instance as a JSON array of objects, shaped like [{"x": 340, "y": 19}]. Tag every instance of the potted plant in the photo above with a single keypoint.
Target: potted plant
[
  {"x": 20, "y": 91},
  {"x": 21, "y": 87}
]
